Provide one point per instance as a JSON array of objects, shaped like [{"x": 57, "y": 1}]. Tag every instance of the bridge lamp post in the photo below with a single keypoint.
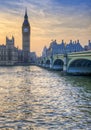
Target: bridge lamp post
[
  {"x": 51, "y": 59},
  {"x": 65, "y": 59},
  {"x": 65, "y": 52}
]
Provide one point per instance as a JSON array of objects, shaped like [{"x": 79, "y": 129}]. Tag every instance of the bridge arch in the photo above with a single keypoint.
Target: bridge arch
[
  {"x": 47, "y": 64},
  {"x": 58, "y": 64},
  {"x": 42, "y": 62},
  {"x": 79, "y": 66}
]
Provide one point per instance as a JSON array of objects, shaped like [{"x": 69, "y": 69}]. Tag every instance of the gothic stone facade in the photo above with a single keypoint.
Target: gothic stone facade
[
  {"x": 26, "y": 39},
  {"x": 8, "y": 53}
]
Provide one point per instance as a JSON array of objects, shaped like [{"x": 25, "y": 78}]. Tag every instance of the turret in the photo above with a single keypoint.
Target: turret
[
  {"x": 26, "y": 16},
  {"x": 70, "y": 41},
  {"x": 13, "y": 39},
  {"x": 77, "y": 41},
  {"x": 89, "y": 41},
  {"x": 62, "y": 41},
  {"x": 26, "y": 23}
]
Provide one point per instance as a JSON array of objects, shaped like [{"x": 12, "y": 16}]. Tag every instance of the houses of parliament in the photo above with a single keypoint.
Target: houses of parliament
[{"x": 11, "y": 55}]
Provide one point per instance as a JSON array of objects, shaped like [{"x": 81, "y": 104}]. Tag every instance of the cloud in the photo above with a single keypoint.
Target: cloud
[{"x": 49, "y": 19}]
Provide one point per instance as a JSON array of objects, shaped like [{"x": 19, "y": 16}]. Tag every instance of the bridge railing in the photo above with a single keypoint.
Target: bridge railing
[{"x": 81, "y": 52}]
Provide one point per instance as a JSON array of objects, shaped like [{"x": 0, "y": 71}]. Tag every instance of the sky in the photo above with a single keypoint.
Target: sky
[{"x": 49, "y": 20}]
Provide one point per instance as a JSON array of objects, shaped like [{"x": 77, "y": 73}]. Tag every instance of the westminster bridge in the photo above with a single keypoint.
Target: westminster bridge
[{"x": 73, "y": 63}]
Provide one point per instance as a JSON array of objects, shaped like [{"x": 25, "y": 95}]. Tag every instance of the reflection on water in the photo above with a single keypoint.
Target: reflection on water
[{"x": 32, "y": 98}]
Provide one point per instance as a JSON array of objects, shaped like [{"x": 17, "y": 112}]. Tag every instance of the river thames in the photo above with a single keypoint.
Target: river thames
[{"x": 32, "y": 98}]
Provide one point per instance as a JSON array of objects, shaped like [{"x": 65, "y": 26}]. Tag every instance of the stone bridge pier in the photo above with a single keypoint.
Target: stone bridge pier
[{"x": 72, "y": 63}]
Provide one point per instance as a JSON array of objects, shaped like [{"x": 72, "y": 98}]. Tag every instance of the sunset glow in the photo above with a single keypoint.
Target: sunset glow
[{"x": 49, "y": 19}]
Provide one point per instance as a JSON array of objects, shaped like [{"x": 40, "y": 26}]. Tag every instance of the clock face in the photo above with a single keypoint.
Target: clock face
[{"x": 25, "y": 29}]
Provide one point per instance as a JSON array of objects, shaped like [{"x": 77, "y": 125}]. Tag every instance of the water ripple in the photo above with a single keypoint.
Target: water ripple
[{"x": 32, "y": 98}]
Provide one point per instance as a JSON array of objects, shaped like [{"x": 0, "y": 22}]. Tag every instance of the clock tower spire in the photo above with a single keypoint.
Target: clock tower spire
[
  {"x": 26, "y": 38},
  {"x": 26, "y": 17}
]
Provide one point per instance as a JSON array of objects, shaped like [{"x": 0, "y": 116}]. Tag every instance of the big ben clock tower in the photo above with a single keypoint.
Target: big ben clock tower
[{"x": 26, "y": 39}]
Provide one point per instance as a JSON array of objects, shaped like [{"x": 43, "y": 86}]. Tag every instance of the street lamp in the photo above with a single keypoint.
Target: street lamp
[
  {"x": 65, "y": 52},
  {"x": 65, "y": 59}
]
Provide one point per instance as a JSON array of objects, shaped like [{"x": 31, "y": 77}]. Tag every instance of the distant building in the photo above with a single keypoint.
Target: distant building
[
  {"x": 88, "y": 47},
  {"x": 33, "y": 57},
  {"x": 89, "y": 44},
  {"x": 62, "y": 48},
  {"x": 44, "y": 52},
  {"x": 74, "y": 47},
  {"x": 10, "y": 55}
]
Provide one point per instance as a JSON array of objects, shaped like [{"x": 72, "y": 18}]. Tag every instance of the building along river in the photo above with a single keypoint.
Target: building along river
[{"x": 32, "y": 98}]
